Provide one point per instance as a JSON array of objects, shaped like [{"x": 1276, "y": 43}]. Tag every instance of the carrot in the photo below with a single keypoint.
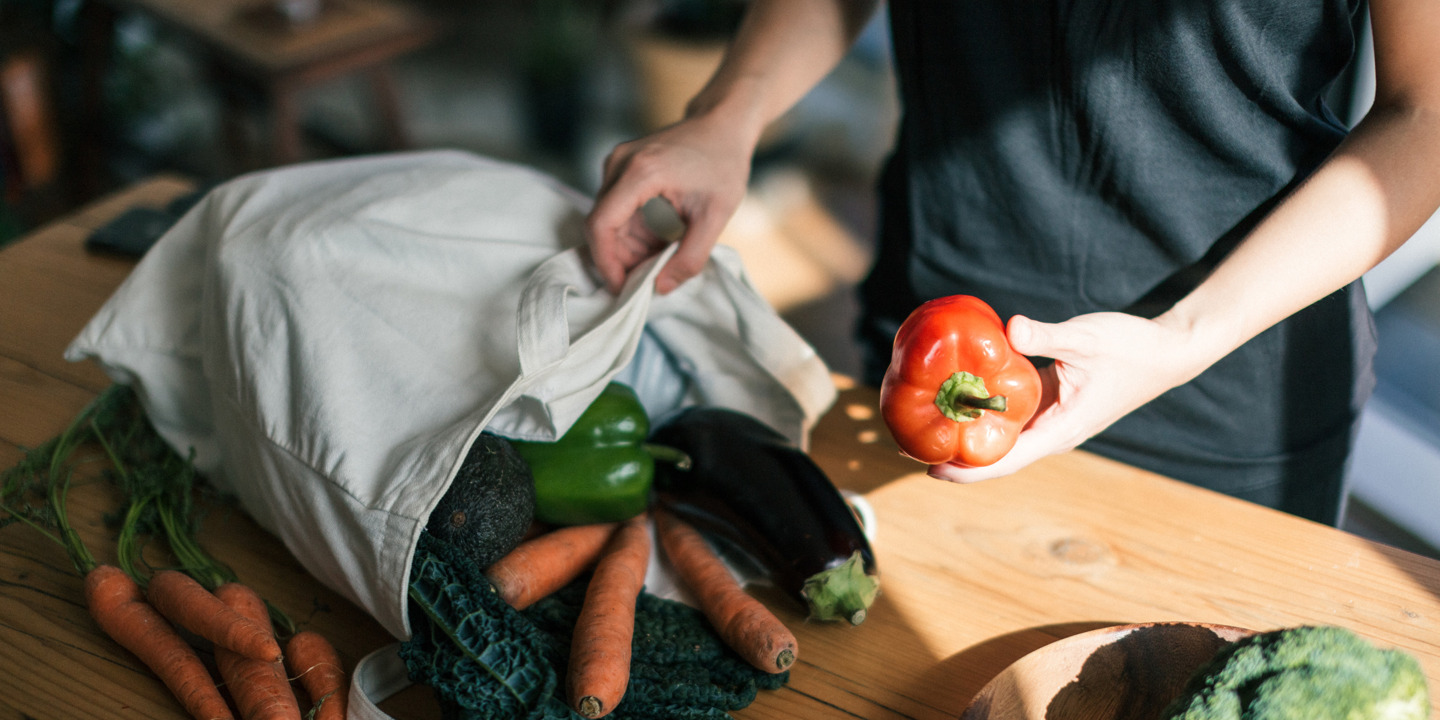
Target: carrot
[
  {"x": 112, "y": 596},
  {"x": 317, "y": 665},
  {"x": 599, "y": 668},
  {"x": 188, "y": 604},
  {"x": 543, "y": 564},
  {"x": 260, "y": 689},
  {"x": 744, "y": 623},
  {"x": 119, "y": 608}
]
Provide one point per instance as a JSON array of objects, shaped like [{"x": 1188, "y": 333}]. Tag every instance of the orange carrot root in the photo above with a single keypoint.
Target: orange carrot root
[
  {"x": 260, "y": 689},
  {"x": 188, "y": 604},
  {"x": 543, "y": 564},
  {"x": 599, "y": 669},
  {"x": 743, "y": 622},
  {"x": 314, "y": 661},
  {"x": 119, "y": 607}
]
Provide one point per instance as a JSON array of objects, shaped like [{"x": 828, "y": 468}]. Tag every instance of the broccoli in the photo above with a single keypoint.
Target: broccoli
[{"x": 1305, "y": 673}]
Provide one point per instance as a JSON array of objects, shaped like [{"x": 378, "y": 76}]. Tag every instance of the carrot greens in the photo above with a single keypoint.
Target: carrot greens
[{"x": 159, "y": 487}]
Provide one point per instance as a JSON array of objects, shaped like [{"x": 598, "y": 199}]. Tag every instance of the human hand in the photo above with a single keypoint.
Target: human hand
[
  {"x": 1106, "y": 365},
  {"x": 700, "y": 167}
]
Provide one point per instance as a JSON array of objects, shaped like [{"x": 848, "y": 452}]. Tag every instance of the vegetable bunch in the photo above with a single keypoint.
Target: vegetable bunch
[
  {"x": 750, "y": 486},
  {"x": 739, "y": 480},
  {"x": 486, "y": 659},
  {"x": 146, "y": 613},
  {"x": 617, "y": 556}
]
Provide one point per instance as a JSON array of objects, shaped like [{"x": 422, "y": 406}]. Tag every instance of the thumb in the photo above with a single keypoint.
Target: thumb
[{"x": 1029, "y": 337}]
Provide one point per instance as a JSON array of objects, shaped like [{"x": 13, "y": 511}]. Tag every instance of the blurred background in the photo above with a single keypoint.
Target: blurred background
[{"x": 97, "y": 94}]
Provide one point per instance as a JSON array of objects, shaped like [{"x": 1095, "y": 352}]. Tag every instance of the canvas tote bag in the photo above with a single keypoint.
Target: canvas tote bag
[{"x": 331, "y": 337}]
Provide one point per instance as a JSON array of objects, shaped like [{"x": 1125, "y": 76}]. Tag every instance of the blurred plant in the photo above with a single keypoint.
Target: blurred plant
[
  {"x": 159, "y": 102},
  {"x": 564, "y": 35}
]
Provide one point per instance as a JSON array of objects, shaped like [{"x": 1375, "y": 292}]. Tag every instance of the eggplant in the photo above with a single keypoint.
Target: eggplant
[{"x": 750, "y": 487}]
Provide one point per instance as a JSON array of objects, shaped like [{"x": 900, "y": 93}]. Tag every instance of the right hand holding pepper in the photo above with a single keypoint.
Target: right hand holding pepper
[{"x": 1106, "y": 365}]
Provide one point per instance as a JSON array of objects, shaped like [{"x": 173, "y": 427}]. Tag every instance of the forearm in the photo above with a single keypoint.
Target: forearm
[
  {"x": 782, "y": 49},
  {"x": 1366, "y": 200},
  {"x": 1358, "y": 207}
]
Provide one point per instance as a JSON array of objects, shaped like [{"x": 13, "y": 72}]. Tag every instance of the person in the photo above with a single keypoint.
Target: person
[{"x": 1153, "y": 192}]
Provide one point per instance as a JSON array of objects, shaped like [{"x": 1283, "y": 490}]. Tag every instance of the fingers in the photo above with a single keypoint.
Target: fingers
[
  {"x": 1048, "y": 433},
  {"x": 617, "y": 251},
  {"x": 1036, "y": 442},
  {"x": 616, "y": 231},
  {"x": 702, "y": 231},
  {"x": 1033, "y": 444},
  {"x": 620, "y": 238},
  {"x": 699, "y": 168},
  {"x": 1034, "y": 338}
]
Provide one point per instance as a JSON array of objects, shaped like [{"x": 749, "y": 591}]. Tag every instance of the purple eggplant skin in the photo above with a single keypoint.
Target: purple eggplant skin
[{"x": 749, "y": 487}]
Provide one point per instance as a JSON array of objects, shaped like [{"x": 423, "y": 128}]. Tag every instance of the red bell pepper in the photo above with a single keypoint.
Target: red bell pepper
[{"x": 955, "y": 391}]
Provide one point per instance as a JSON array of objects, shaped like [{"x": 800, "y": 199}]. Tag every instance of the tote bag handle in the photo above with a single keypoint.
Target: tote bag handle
[
  {"x": 542, "y": 322},
  {"x": 544, "y": 315}
]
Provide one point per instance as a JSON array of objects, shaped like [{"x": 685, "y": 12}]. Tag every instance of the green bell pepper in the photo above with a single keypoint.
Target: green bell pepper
[{"x": 601, "y": 470}]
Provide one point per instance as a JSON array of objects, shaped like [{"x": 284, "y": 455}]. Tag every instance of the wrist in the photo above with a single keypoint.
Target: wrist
[
  {"x": 738, "y": 109},
  {"x": 1202, "y": 335}
]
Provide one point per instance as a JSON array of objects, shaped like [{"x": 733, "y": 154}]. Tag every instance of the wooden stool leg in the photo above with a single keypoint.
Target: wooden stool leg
[
  {"x": 98, "y": 28},
  {"x": 285, "y": 124},
  {"x": 235, "y": 109},
  {"x": 387, "y": 101}
]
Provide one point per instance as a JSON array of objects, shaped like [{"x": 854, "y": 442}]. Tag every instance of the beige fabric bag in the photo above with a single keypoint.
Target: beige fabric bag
[{"x": 331, "y": 337}]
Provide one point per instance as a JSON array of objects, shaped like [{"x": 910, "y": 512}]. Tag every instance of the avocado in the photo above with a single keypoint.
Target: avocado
[{"x": 490, "y": 504}]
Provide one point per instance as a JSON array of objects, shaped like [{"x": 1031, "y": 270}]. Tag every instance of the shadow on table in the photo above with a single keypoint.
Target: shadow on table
[{"x": 996, "y": 654}]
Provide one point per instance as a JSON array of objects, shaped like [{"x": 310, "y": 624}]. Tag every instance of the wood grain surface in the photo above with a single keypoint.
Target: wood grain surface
[{"x": 974, "y": 577}]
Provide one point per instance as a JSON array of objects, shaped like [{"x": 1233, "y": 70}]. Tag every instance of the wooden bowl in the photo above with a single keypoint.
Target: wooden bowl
[{"x": 1127, "y": 672}]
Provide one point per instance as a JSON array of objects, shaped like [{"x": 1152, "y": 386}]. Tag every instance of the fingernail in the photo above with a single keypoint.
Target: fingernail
[
  {"x": 950, "y": 478},
  {"x": 664, "y": 284},
  {"x": 935, "y": 474}
]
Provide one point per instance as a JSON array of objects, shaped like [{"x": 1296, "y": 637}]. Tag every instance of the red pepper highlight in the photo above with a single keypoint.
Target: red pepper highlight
[{"x": 955, "y": 391}]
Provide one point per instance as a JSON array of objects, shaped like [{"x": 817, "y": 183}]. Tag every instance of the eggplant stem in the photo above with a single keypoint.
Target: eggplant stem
[{"x": 842, "y": 592}]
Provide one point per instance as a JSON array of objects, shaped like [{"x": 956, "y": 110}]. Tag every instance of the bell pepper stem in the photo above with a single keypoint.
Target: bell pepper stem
[
  {"x": 963, "y": 397},
  {"x": 994, "y": 402},
  {"x": 665, "y": 453}
]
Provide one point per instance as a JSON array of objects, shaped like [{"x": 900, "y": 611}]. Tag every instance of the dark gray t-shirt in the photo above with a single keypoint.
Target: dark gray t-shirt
[{"x": 1058, "y": 158}]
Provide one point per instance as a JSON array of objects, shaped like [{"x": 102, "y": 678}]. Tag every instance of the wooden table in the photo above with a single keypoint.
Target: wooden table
[
  {"x": 974, "y": 576},
  {"x": 250, "y": 43}
]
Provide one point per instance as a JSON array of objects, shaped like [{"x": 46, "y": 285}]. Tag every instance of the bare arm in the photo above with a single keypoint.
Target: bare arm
[
  {"x": 1361, "y": 204},
  {"x": 1371, "y": 195},
  {"x": 782, "y": 49},
  {"x": 701, "y": 165}
]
